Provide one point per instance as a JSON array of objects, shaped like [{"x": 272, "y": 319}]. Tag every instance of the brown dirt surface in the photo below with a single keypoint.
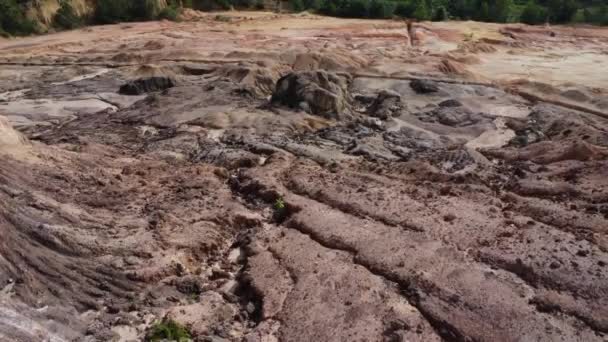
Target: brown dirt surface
[{"x": 305, "y": 178}]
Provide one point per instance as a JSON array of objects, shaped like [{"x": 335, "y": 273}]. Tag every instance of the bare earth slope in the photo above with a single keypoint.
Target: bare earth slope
[{"x": 301, "y": 178}]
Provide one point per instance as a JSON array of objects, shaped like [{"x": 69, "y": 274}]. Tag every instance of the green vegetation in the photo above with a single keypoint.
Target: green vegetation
[
  {"x": 13, "y": 20},
  {"x": 280, "y": 210},
  {"x": 66, "y": 17},
  {"x": 502, "y": 11},
  {"x": 168, "y": 330}
]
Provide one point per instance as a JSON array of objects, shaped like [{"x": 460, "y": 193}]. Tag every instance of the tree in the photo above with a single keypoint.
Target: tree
[
  {"x": 66, "y": 17},
  {"x": 561, "y": 11},
  {"x": 533, "y": 14},
  {"x": 381, "y": 9},
  {"x": 440, "y": 14},
  {"x": 501, "y": 11},
  {"x": 421, "y": 12}
]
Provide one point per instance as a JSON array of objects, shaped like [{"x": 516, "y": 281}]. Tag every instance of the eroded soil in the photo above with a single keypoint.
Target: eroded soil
[{"x": 444, "y": 184}]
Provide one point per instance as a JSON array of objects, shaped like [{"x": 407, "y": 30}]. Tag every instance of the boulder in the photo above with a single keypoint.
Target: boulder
[
  {"x": 424, "y": 86},
  {"x": 386, "y": 104},
  {"x": 146, "y": 85},
  {"x": 318, "y": 92},
  {"x": 450, "y": 103}
]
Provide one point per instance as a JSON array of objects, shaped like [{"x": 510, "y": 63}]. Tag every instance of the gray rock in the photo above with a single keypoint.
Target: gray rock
[
  {"x": 450, "y": 103},
  {"x": 147, "y": 85},
  {"x": 321, "y": 92},
  {"x": 424, "y": 86},
  {"x": 386, "y": 104}
]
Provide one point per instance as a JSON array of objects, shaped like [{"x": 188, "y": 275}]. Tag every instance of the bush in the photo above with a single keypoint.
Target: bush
[
  {"x": 381, "y": 9},
  {"x": 112, "y": 11},
  {"x": 533, "y": 14},
  {"x": 405, "y": 9},
  {"x": 328, "y": 7},
  {"x": 168, "y": 330},
  {"x": 421, "y": 12},
  {"x": 169, "y": 13},
  {"x": 13, "y": 20},
  {"x": 66, "y": 17},
  {"x": 440, "y": 14},
  {"x": 296, "y": 5}
]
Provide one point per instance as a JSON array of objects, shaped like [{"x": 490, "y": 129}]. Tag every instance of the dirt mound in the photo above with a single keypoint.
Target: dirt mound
[{"x": 318, "y": 92}]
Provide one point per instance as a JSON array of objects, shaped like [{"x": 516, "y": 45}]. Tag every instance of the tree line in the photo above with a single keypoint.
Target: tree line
[{"x": 13, "y": 20}]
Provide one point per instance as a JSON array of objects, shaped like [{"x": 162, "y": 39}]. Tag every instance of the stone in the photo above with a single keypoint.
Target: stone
[
  {"x": 424, "y": 86},
  {"x": 386, "y": 104},
  {"x": 319, "y": 92},
  {"x": 147, "y": 85}
]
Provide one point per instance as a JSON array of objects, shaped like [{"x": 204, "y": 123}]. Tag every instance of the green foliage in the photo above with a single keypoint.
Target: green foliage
[
  {"x": 169, "y": 13},
  {"x": 168, "y": 330},
  {"x": 533, "y": 14},
  {"x": 13, "y": 20},
  {"x": 421, "y": 11},
  {"x": 66, "y": 17},
  {"x": 440, "y": 14},
  {"x": 296, "y": 5},
  {"x": 279, "y": 210},
  {"x": 562, "y": 11},
  {"x": 381, "y": 9}
]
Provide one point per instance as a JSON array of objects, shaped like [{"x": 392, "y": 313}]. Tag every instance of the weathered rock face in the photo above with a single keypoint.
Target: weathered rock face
[
  {"x": 317, "y": 92},
  {"x": 385, "y": 105},
  {"x": 424, "y": 86},
  {"x": 146, "y": 85}
]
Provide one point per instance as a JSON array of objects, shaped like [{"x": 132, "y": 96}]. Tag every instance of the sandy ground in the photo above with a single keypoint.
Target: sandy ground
[{"x": 444, "y": 184}]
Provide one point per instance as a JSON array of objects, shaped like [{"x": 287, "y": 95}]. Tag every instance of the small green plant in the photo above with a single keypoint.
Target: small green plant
[
  {"x": 168, "y": 330},
  {"x": 280, "y": 210},
  {"x": 279, "y": 204}
]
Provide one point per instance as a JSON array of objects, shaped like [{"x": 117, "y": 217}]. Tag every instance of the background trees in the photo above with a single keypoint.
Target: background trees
[{"x": 14, "y": 21}]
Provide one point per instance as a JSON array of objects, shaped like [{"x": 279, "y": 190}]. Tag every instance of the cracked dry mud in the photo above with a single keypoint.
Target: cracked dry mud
[{"x": 420, "y": 203}]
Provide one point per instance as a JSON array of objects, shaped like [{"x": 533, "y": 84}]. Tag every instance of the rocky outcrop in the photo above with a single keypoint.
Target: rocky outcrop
[
  {"x": 147, "y": 85},
  {"x": 424, "y": 86},
  {"x": 317, "y": 92},
  {"x": 385, "y": 105}
]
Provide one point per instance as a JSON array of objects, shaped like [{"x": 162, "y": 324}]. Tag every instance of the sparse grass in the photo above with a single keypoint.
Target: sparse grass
[{"x": 168, "y": 330}]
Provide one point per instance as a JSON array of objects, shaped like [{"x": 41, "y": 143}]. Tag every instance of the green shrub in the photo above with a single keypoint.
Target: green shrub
[
  {"x": 440, "y": 14},
  {"x": 355, "y": 9},
  {"x": 13, "y": 20},
  {"x": 405, "y": 9},
  {"x": 421, "y": 11},
  {"x": 66, "y": 17},
  {"x": 296, "y": 5},
  {"x": 169, "y": 13},
  {"x": 168, "y": 330},
  {"x": 533, "y": 14},
  {"x": 381, "y": 9},
  {"x": 112, "y": 11}
]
